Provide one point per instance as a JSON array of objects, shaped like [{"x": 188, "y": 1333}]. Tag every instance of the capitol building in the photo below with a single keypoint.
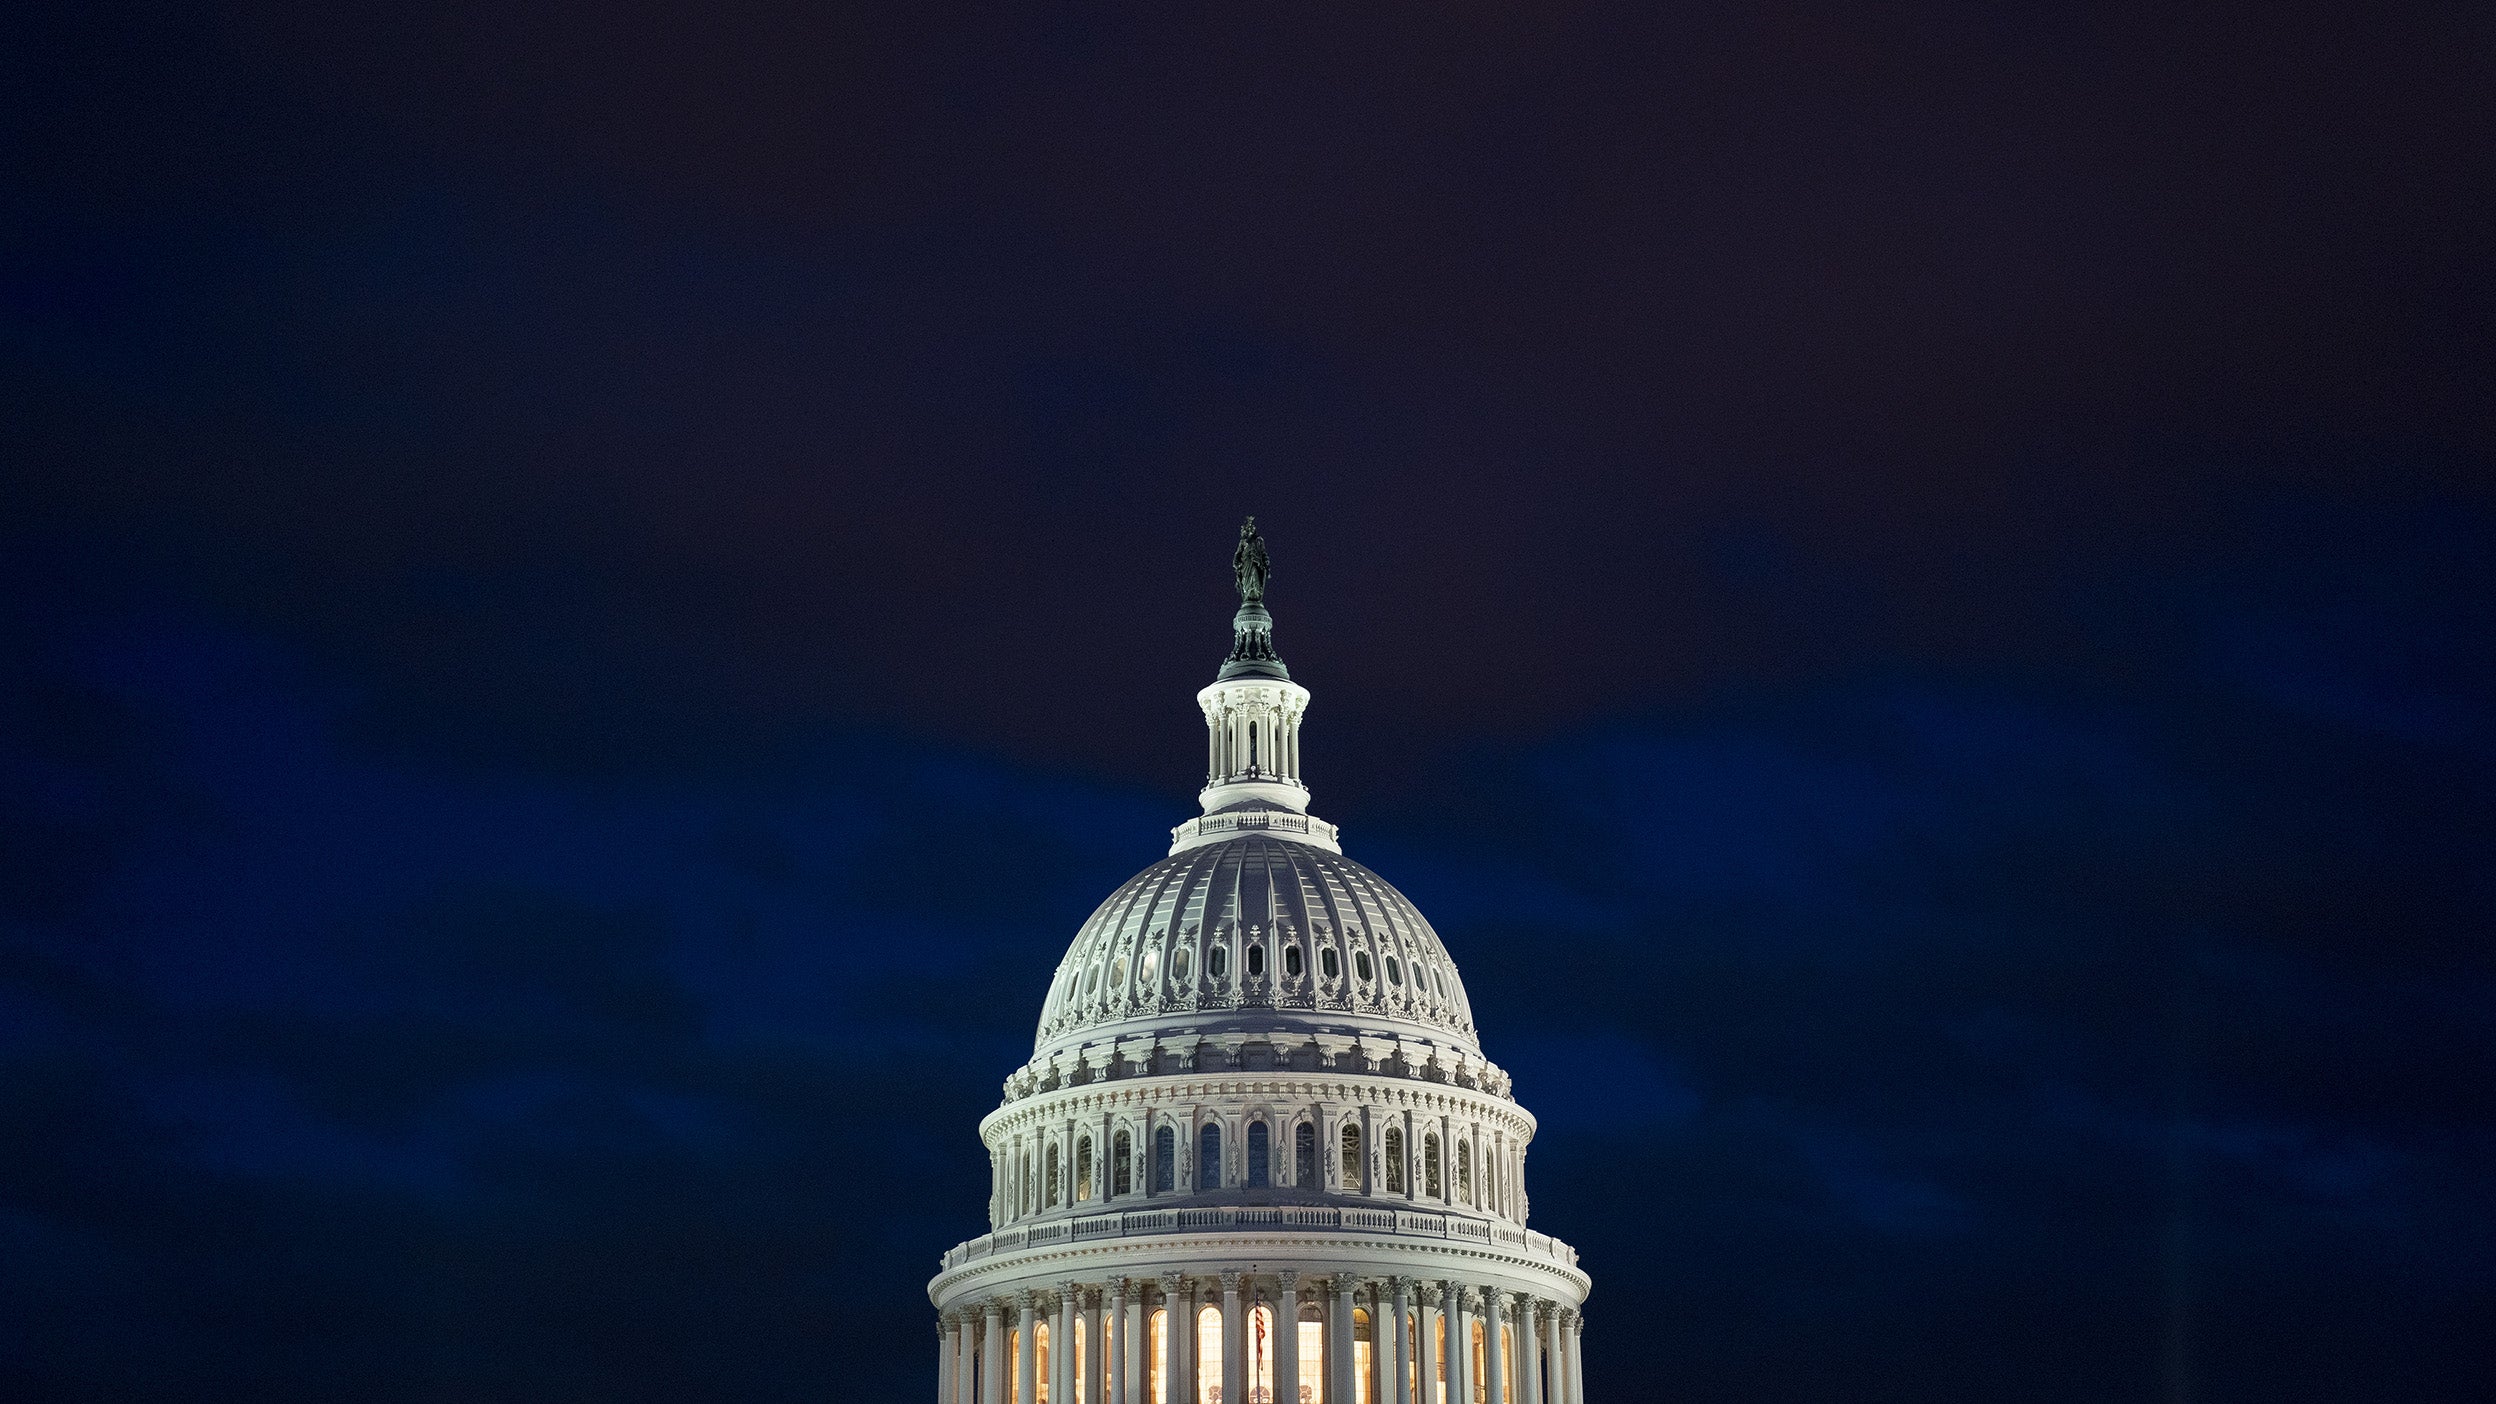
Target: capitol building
[{"x": 1257, "y": 1155}]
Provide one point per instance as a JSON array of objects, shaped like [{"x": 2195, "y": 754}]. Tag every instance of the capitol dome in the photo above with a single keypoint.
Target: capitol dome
[{"x": 1257, "y": 1155}]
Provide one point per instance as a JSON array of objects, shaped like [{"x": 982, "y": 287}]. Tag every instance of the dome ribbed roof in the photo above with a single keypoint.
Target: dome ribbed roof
[{"x": 1365, "y": 959}]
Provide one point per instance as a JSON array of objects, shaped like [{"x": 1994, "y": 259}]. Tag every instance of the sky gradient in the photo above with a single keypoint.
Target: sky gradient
[{"x": 589, "y": 595}]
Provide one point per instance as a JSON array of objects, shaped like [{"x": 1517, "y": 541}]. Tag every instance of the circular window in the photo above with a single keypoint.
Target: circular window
[
  {"x": 1360, "y": 966},
  {"x": 1395, "y": 972}
]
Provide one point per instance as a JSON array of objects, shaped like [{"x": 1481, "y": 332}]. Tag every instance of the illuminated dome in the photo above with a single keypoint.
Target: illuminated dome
[
  {"x": 1256, "y": 1155},
  {"x": 1256, "y": 932}
]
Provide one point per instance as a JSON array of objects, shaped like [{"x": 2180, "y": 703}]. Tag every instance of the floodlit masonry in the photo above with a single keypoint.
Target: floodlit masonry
[{"x": 1257, "y": 1154}]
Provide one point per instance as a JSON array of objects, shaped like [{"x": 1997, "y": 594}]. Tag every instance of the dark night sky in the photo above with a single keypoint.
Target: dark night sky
[{"x": 590, "y": 593}]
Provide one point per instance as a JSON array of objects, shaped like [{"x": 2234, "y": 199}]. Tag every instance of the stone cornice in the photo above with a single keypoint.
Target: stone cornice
[
  {"x": 1164, "y": 1052},
  {"x": 1383, "y": 1259},
  {"x": 1299, "y": 1088}
]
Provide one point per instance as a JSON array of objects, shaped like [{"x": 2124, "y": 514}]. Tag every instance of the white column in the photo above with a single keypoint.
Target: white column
[
  {"x": 1576, "y": 1367},
  {"x": 1234, "y": 1337},
  {"x": 1426, "y": 1310},
  {"x": 1287, "y": 1341},
  {"x": 1172, "y": 1360},
  {"x": 1095, "y": 1349},
  {"x": 992, "y": 1352},
  {"x": 1341, "y": 1385},
  {"x": 1401, "y": 1387},
  {"x": 1381, "y": 1346},
  {"x": 1114, "y": 1315},
  {"x": 1459, "y": 1342},
  {"x": 1062, "y": 1347},
  {"x": 1529, "y": 1352},
  {"x": 946, "y": 1345},
  {"x": 966, "y": 1359},
  {"x": 1138, "y": 1338},
  {"x": 1026, "y": 1349},
  {"x": 1494, "y": 1353},
  {"x": 1555, "y": 1354}
]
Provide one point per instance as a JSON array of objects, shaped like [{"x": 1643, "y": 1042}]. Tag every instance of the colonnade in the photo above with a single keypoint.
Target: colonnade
[{"x": 989, "y": 1350}]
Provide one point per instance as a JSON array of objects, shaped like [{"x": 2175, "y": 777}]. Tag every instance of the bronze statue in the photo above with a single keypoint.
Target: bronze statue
[{"x": 1249, "y": 563}]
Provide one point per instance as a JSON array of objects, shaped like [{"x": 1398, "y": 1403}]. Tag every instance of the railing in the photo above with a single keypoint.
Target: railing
[
  {"x": 1221, "y": 1218},
  {"x": 1205, "y": 826}
]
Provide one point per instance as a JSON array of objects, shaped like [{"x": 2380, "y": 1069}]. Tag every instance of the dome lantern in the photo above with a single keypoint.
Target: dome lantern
[{"x": 1252, "y": 728}]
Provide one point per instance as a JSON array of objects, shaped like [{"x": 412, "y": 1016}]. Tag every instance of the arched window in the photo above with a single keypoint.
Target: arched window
[
  {"x": 1208, "y": 1353},
  {"x": 1351, "y": 1158},
  {"x": 1435, "y": 1358},
  {"x": 1256, "y": 959},
  {"x": 1023, "y": 1177},
  {"x": 1165, "y": 1150},
  {"x": 1328, "y": 964},
  {"x": 1092, "y": 978},
  {"x": 1118, "y": 973},
  {"x": 1040, "y": 1350},
  {"x": 1083, "y": 1168},
  {"x": 1431, "y": 1184},
  {"x": 1121, "y": 1158},
  {"x": 1049, "y": 1198},
  {"x": 1209, "y": 1157},
  {"x": 1395, "y": 972},
  {"x": 1464, "y": 1171},
  {"x": 1081, "y": 1357},
  {"x": 1395, "y": 1159},
  {"x": 1364, "y": 1353},
  {"x": 1260, "y": 1152},
  {"x": 1360, "y": 966},
  {"x": 1218, "y": 962},
  {"x": 1178, "y": 965},
  {"x": 1145, "y": 968},
  {"x": 1304, "y": 1153},
  {"x": 1257, "y": 1376},
  {"x": 1156, "y": 1355},
  {"x": 1291, "y": 960}
]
